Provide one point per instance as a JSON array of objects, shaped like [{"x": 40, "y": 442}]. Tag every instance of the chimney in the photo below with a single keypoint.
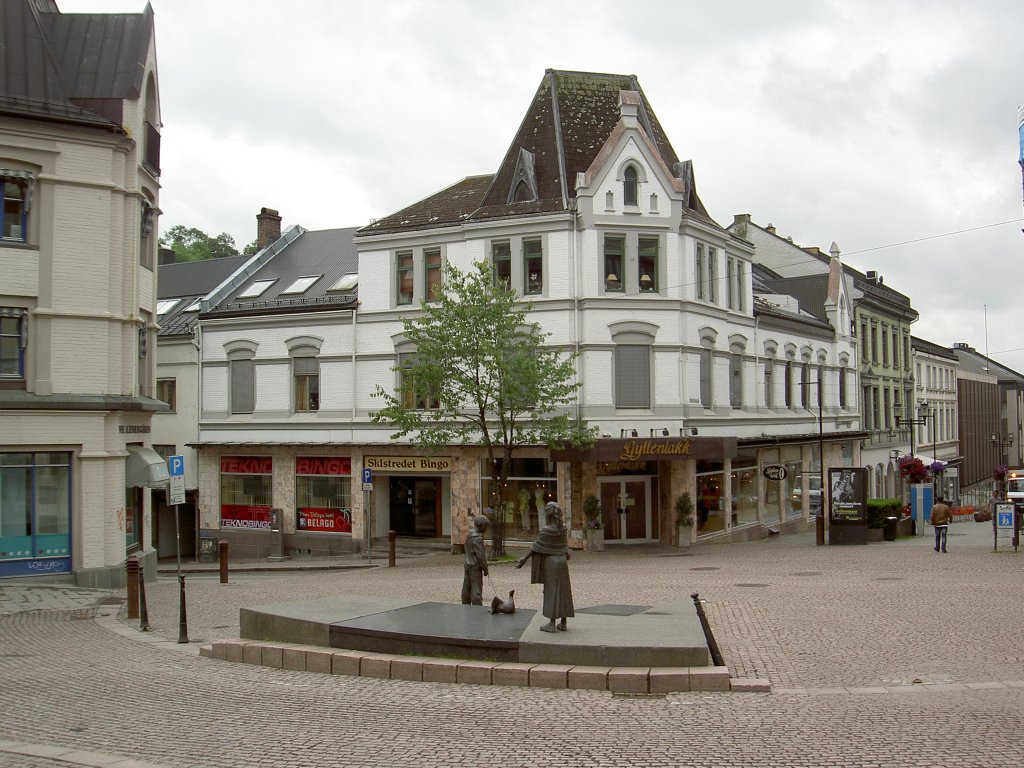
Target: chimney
[
  {"x": 770, "y": 228},
  {"x": 268, "y": 227},
  {"x": 740, "y": 222}
]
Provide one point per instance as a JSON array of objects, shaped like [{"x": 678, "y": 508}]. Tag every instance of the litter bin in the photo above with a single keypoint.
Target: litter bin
[{"x": 889, "y": 534}]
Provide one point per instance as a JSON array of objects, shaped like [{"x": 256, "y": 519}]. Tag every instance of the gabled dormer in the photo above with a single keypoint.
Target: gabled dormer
[{"x": 523, "y": 186}]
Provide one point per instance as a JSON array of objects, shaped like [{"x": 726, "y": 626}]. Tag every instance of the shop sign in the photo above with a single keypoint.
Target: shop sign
[
  {"x": 324, "y": 520},
  {"x": 409, "y": 463},
  {"x": 245, "y": 516},
  {"x": 247, "y": 465},
  {"x": 775, "y": 472},
  {"x": 639, "y": 450},
  {"x": 653, "y": 449},
  {"x": 323, "y": 465}
]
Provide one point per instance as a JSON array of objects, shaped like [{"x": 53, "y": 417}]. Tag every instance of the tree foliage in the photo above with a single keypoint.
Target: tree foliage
[
  {"x": 191, "y": 244},
  {"x": 483, "y": 375}
]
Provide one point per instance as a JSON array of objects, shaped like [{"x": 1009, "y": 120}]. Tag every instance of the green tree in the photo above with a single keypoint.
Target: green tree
[
  {"x": 191, "y": 244},
  {"x": 483, "y": 375}
]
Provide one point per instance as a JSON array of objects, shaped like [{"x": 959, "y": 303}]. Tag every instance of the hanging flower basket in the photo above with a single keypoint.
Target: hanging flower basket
[{"x": 913, "y": 470}]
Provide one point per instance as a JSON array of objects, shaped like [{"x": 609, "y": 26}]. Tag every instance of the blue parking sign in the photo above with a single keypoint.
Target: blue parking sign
[
  {"x": 176, "y": 466},
  {"x": 367, "y": 475}
]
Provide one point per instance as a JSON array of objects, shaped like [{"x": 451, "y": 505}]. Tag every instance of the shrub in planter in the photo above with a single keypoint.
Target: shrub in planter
[
  {"x": 879, "y": 509},
  {"x": 591, "y": 513}
]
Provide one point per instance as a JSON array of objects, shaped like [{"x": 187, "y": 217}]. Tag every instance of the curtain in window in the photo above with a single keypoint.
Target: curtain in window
[
  {"x": 632, "y": 376},
  {"x": 705, "y": 378},
  {"x": 243, "y": 386}
]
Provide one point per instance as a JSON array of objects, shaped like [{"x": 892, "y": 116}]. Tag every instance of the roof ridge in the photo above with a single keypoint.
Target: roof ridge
[{"x": 559, "y": 144}]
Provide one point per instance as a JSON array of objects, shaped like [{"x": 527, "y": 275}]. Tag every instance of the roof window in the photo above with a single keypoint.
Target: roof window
[
  {"x": 302, "y": 285},
  {"x": 166, "y": 305},
  {"x": 256, "y": 289},
  {"x": 348, "y": 282}
]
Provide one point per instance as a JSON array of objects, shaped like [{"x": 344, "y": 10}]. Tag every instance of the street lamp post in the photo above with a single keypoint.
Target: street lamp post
[
  {"x": 1002, "y": 444},
  {"x": 910, "y": 421},
  {"x": 819, "y": 521}
]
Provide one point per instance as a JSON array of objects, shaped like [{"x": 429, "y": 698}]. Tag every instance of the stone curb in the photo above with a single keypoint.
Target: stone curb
[
  {"x": 621, "y": 680},
  {"x": 71, "y": 756}
]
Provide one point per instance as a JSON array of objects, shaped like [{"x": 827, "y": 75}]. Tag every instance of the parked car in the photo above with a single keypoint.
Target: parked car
[{"x": 813, "y": 485}]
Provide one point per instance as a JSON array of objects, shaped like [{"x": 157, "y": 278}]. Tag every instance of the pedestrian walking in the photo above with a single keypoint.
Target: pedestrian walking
[
  {"x": 475, "y": 563},
  {"x": 942, "y": 516}
]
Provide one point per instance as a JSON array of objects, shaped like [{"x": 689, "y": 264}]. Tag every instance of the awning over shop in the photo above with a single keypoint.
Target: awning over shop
[{"x": 144, "y": 468}]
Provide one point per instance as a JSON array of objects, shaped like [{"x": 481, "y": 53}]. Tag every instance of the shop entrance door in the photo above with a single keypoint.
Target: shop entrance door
[
  {"x": 414, "y": 506},
  {"x": 626, "y": 510}
]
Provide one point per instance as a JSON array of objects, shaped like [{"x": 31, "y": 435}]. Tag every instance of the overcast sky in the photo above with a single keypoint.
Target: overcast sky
[{"x": 884, "y": 126}]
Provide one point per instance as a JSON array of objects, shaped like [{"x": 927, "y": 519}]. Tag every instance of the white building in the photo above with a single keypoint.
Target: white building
[
  {"x": 595, "y": 220},
  {"x": 938, "y": 437},
  {"x": 79, "y": 167}
]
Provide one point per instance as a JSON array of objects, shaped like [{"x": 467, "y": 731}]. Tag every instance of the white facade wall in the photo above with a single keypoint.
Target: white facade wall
[{"x": 79, "y": 276}]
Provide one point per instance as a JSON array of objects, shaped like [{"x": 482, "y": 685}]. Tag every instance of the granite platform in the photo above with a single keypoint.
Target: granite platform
[{"x": 664, "y": 635}]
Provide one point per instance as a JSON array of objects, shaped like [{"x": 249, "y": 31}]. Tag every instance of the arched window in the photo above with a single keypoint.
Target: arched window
[{"x": 630, "y": 187}]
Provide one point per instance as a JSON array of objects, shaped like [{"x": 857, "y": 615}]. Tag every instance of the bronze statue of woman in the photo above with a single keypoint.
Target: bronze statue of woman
[{"x": 550, "y": 567}]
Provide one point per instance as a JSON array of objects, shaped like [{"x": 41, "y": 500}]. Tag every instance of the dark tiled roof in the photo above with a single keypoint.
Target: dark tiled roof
[
  {"x": 188, "y": 281},
  {"x": 195, "y": 278},
  {"x": 328, "y": 252},
  {"x": 70, "y": 67},
  {"x": 100, "y": 55},
  {"x": 810, "y": 291},
  {"x": 451, "y": 205},
  {"x": 568, "y": 122},
  {"x": 973, "y": 361},
  {"x": 932, "y": 348}
]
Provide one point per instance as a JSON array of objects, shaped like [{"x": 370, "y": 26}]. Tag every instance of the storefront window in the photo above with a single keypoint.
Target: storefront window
[
  {"x": 531, "y": 485},
  {"x": 245, "y": 491},
  {"x": 710, "y": 502},
  {"x": 323, "y": 494},
  {"x": 132, "y": 518},
  {"x": 744, "y": 491},
  {"x": 794, "y": 484},
  {"x": 35, "y": 508}
]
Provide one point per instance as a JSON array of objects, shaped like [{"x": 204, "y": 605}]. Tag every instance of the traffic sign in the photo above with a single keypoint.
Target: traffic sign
[
  {"x": 1004, "y": 516},
  {"x": 176, "y": 466},
  {"x": 176, "y": 493},
  {"x": 367, "y": 475}
]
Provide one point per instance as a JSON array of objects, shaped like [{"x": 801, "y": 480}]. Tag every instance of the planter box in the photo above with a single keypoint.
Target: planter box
[
  {"x": 595, "y": 539},
  {"x": 684, "y": 535}
]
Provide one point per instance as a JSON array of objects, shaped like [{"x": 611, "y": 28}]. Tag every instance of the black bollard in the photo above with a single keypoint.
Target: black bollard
[
  {"x": 716, "y": 655},
  {"x": 132, "y": 587},
  {"x": 143, "y": 610},
  {"x": 182, "y": 619},
  {"x": 222, "y": 554},
  {"x": 391, "y": 548}
]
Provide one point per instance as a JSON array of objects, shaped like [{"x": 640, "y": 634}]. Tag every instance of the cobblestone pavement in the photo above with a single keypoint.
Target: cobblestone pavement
[{"x": 842, "y": 633}]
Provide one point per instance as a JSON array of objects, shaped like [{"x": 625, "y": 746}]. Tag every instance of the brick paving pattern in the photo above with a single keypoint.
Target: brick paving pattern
[{"x": 843, "y": 633}]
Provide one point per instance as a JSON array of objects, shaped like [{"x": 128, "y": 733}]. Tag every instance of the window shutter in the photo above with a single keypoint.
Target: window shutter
[
  {"x": 632, "y": 376},
  {"x": 243, "y": 386}
]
